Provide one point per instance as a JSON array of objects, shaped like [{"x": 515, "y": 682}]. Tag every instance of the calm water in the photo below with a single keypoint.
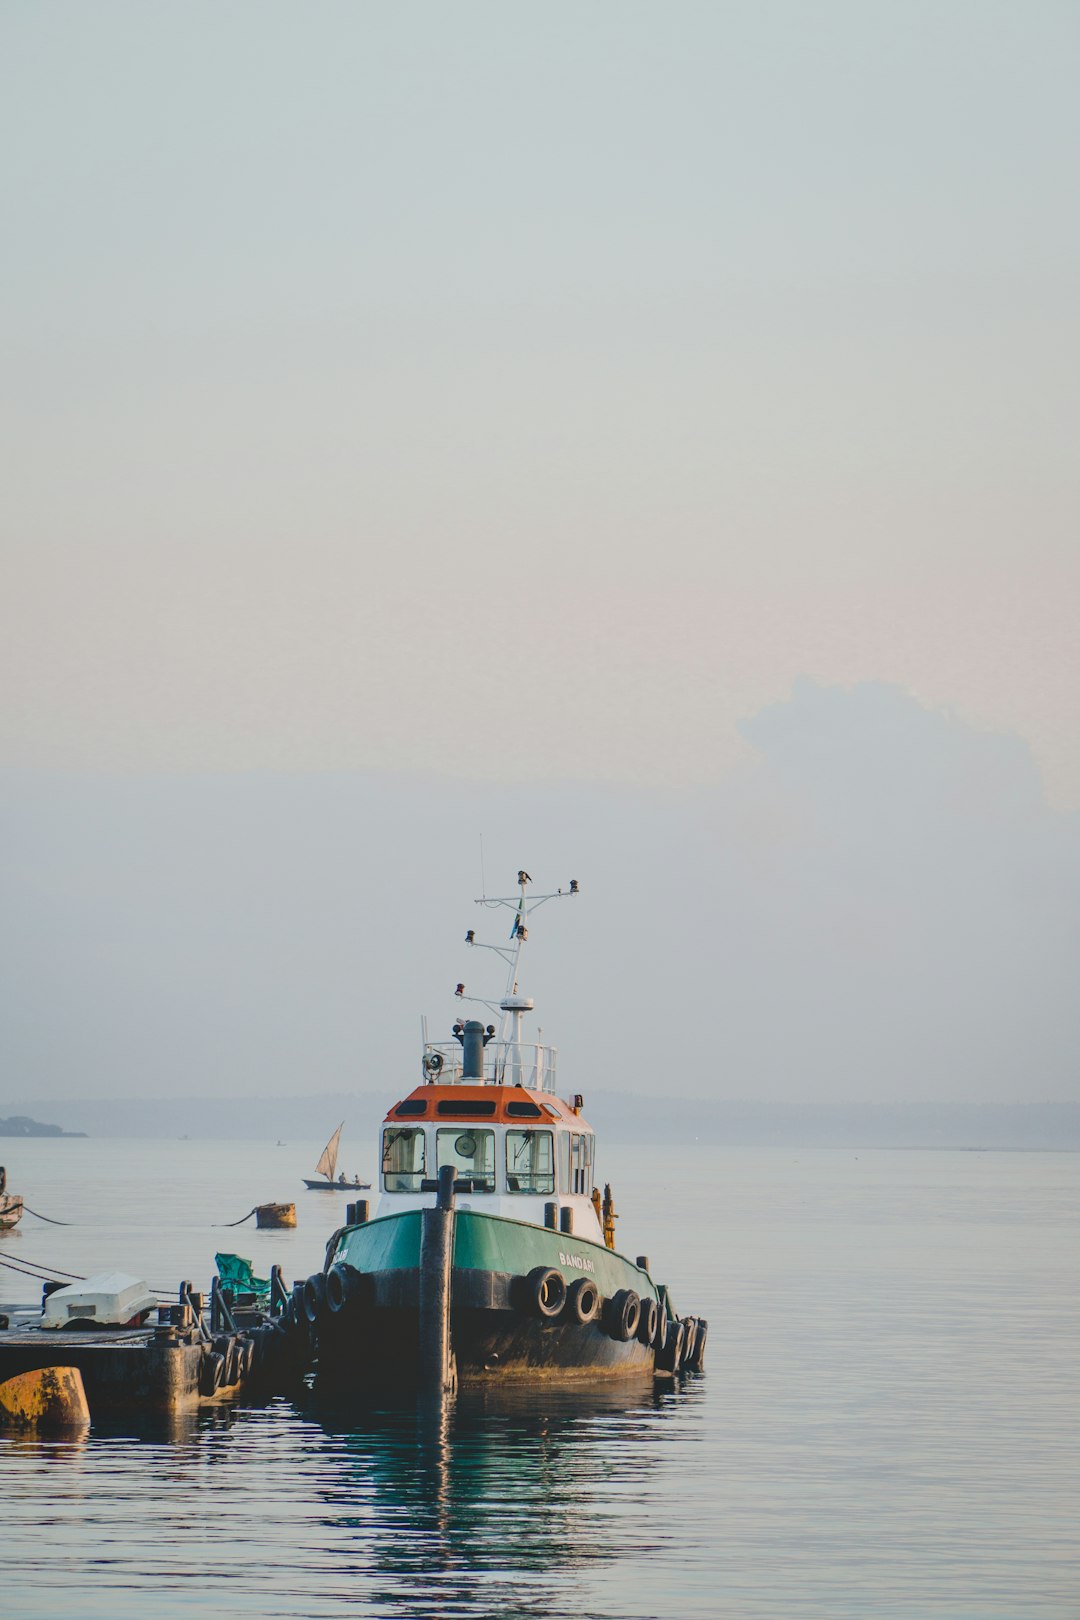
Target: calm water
[{"x": 889, "y": 1423}]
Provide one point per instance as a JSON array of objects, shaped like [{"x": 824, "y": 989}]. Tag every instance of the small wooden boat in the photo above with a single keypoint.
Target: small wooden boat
[
  {"x": 275, "y": 1216},
  {"x": 11, "y": 1205},
  {"x": 326, "y": 1169}
]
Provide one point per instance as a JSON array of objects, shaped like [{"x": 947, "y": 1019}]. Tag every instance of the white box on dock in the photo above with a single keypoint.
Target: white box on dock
[{"x": 111, "y": 1299}]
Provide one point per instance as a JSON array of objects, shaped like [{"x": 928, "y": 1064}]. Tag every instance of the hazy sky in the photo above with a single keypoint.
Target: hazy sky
[
  {"x": 533, "y": 391},
  {"x": 422, "y": 420}
]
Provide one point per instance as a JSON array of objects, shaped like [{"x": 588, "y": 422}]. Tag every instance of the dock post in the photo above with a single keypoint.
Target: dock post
[{"x": 436, "y": 1261}]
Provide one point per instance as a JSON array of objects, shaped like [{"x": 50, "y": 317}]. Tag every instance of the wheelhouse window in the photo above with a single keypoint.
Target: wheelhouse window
[
  {"x": 403, "y": 1158},
  {"x": 471, "y": 1152},
  {"x": 530, "y": 1162}
]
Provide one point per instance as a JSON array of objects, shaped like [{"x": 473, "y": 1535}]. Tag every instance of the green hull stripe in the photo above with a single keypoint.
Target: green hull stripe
[{"x": 492, "y": 1243}]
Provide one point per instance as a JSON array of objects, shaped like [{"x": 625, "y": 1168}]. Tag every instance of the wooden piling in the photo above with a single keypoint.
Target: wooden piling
[{"x": 436, "y": 1259}]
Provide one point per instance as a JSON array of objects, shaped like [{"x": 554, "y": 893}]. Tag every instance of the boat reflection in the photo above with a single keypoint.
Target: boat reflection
[{"x": 488, "y": 1503}]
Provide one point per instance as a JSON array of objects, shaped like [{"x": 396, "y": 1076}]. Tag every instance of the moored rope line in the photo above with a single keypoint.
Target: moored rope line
[
  {"x": 28, "y": 1211},
  {"x": 26, "y": 1269},
  {"x": 240, "y": 1222}
]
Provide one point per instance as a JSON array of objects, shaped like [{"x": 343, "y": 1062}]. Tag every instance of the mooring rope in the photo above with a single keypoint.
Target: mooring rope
[
  {"x": 27, "y": 1269},
  {"x": 34, "y": 1213},
  {"x": 240, "y": 1222}
]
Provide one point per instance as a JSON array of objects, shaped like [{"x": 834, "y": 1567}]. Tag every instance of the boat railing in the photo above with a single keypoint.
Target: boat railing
[{"x": 506, "y": 1063}]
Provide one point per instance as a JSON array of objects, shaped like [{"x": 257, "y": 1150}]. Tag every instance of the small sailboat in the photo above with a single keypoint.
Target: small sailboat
[{"x": 326, "y": 1169}]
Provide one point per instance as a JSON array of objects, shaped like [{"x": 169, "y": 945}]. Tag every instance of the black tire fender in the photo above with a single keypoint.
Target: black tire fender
[
  {"x": 621, "y": 1314},
  {"x": 648, "y": 1321},
  {"x": 234, "y": 1363},
  {"x": 696, "y": 1361},
  {"x": 582, "y": 1301},
  {"x": 689, "y": 1339},
  {"x": 211, "y": 1373},
  {"x": 669, "y": 1357},
  {"x": 344, "y": 1287},
  {"x": 545, "y": 1292},
  {"x": 314, "y": 1297}
]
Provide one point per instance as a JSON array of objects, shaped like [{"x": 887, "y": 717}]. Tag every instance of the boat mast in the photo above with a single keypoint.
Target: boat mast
[{"x": 514, "y": 1005}]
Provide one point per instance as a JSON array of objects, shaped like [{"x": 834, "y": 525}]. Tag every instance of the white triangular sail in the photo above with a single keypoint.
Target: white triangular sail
[{"x": 327, "y": 1165}]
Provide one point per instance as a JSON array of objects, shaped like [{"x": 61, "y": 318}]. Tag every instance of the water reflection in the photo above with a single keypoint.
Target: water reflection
[{"x": 490, "y": 1502}]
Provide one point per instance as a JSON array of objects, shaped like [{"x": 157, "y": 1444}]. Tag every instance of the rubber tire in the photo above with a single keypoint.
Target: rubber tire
[
  {"x": 314, "y": 1297},
  {"x": 648, "y": 1321},
  {"x": 696, "y": 1361},
  {"x": 211, "y": 1373},
  {"x": 689, "y": 1339},
  {"x": 344, "y": 1287},
  {"x": 582, "y": 1301},
  {"x": 546, "y": 1292},
  {"x": 669, "y": 1358},
  {"x": 621, "y": 1315}
]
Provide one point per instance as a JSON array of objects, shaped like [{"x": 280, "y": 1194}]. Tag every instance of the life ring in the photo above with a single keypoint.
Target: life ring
[
  {"x": 545, "y": 1292},
  {"x": 648, "y": 1321},
  {"x": 621, "y": 1314},
  {"x": 314, "y": 1297},
  {"x": 582, "y": 1301}
]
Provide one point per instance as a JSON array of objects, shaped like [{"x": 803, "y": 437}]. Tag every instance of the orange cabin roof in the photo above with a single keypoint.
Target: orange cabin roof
[{"x": 504, "y": 1105}]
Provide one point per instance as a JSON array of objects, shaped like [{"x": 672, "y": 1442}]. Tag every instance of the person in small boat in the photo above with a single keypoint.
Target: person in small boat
[
  {"x": 341, "y": 1180},
  {"x": 356, "y": 1181},
  {"x": 3, "y": 1179}
]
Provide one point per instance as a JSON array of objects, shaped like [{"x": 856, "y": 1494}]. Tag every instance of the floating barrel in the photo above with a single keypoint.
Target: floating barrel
[{"x": 46, "y": 1398}]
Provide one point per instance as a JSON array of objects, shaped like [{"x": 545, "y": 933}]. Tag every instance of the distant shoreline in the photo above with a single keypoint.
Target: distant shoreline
[{"x": 25, "y": 1128}]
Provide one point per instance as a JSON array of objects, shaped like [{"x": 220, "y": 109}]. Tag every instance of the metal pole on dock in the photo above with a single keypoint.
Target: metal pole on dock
[{"x": 436, "y": 1260}]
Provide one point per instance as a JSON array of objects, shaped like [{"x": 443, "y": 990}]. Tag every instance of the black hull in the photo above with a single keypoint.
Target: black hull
[
  {"x": 336, "y": 1186},
  {"x": 375, "y": 1345},
  {"x": 380, "y": 1349}
]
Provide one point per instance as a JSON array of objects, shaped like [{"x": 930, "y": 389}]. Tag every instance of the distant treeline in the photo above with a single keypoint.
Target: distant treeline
[
  {"x": 617, "y": 1116},
  {"x": 23, "y": 1125}
]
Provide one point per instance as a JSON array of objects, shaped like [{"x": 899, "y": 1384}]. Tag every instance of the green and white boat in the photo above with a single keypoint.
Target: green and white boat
[{"x": 490, "y": 1253}]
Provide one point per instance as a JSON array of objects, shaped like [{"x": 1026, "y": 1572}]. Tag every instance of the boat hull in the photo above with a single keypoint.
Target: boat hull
[
  {"x": 11, "y": 1209},
  {"x": 336, "y": 1186},
  {"x": 372, "y": 1342}
]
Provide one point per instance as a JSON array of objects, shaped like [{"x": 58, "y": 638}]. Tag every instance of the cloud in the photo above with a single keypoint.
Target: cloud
[{"x": 878, "y": 906}]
